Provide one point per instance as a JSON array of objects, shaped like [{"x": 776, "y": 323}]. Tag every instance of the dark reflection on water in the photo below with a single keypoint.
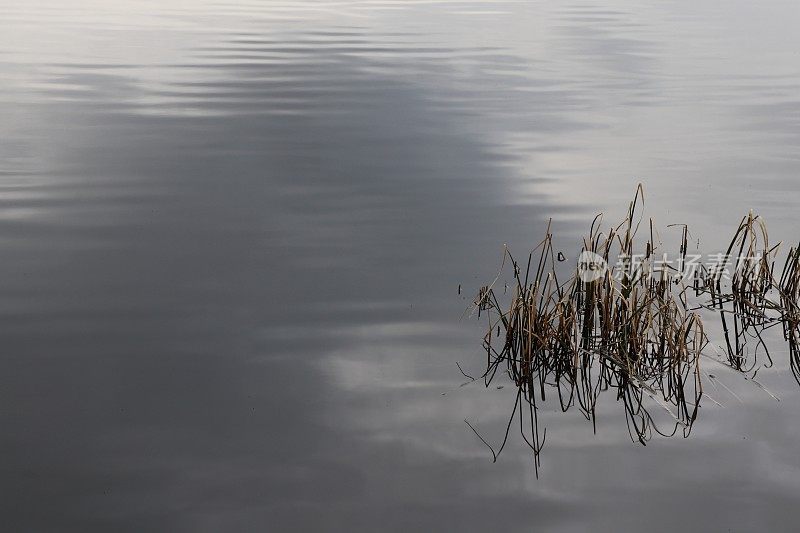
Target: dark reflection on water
[{"x": 232, "y": 237}]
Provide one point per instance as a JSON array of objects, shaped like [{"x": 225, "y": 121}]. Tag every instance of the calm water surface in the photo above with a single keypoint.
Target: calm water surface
[{"x": 233, "y": 232}]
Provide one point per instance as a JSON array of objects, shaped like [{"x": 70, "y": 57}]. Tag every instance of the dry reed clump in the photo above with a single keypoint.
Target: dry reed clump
[
  {"x": 631, "y": 329},
  {"x": 745, "y": 304}
]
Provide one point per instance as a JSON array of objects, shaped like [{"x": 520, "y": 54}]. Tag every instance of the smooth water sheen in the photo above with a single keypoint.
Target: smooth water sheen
[{"x": 232, "y": 234}]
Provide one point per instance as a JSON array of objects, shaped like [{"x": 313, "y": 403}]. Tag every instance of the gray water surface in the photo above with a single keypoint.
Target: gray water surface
[{"x": 232, "y": 233}]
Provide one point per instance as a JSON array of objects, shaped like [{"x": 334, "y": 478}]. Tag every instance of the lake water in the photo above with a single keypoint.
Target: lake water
[{"x": 233, "y": 235}]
